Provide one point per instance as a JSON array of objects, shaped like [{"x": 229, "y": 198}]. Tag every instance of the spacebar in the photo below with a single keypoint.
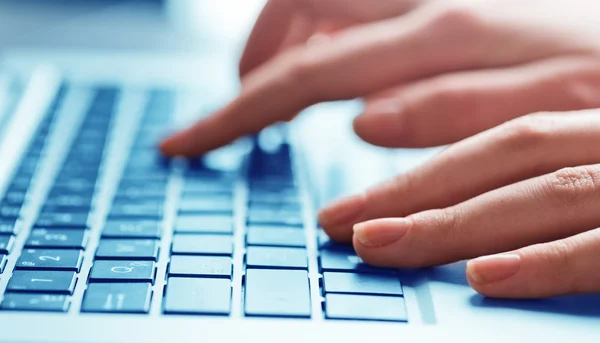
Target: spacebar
[{"x": 277, "y": 293}]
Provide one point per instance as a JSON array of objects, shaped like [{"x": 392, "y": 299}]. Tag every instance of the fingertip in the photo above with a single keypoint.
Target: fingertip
[{"x": 383, "y": 127}]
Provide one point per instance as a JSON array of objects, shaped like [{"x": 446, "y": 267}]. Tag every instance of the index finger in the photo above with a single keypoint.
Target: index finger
[{"x": 357, "y": 61}]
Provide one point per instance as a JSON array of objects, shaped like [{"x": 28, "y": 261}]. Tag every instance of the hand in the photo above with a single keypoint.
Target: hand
[
  {"x": 526, "y": 193},
  {"x": 431, "y": 72}
]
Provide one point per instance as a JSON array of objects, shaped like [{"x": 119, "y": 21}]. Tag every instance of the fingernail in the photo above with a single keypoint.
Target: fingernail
[
  {"x": 495, "y": 268},
  {"x": 385, "y": 108},
  {"x": 381, "y": 232},
  {"x": 341, "y": 212}
]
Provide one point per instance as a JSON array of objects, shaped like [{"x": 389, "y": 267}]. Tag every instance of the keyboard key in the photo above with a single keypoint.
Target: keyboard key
[
  {"x": 52, "y": 259},
  {"x": 35, "y": 302},
  {"x": 128, "y": 249},
  {"x": 277, "y": 293},
  {"x": 211, "y": 204},
  {"x": 15, "y": 197},
  {"x": 202, "y": 244},
  {"x": 365, "y": 307},
  {"x": 276, "y": 257},
  {"x": 276, "y": 236},
  {"x": 132, "y": 229},
  {"x": 202, "y": 187},
  {"x": 215, "y": 266},
  {"x": 117, "y": 298},
  {"x": 118, "y": 271},
  {"x": 204, "y": 224},
  {"x": 345, "y": 259},
  {"x": 198, "y": 296},
  {"x": 6, "y": 243},
  {"x": 62, "y": 220},
  {"x": 50, "y": 238},
  {"x": 145, "y": 209},
  {"x": 68, "y": 200},
  {"x": 8, "y": 226},
  {"x": 385, "y": 284},
  {"x": 43, "y": 281},
  {"x": 9, "y": 211},
  {"x": 267, "y": 217}
]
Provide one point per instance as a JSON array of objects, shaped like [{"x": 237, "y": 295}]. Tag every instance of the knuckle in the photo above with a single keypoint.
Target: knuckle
[
  {"x": 559, "y": 255},
  {"x": 525, "y": 133},
  {"x": 572, "y": 185},
  {"x": 457, "y": 17}
]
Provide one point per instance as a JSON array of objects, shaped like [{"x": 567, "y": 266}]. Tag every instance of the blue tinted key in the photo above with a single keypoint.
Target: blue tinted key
[
  {"x": 42, "y": 281},
  {"x": 62, "y": 220},
  {"x": 8, "y": 226},
  {"x": 262, "y": 257},
  {"x": 279, "y": 293},
  {"x": 128, "y": 249},
  {"x": 275, "y": 217},
  {"x": 345, "y": 259},
  {"x": 118, "y": 271},
  {"x": 202, "y": 244},
  {"x": 117, "y": 298},
  {"x": 145, "y": 209},
  {"x": 50, "y": 238},
  {"x": 204, "y": 224},
  {"x": 362, "y": 283},
  {"x": 198, "y": 296},
  {"x": 35, "y": 302},
  {"x": 215, "y": 266},
  {"x": 365, "y": 307},
  {"x": 52, "y": 259},
  {"x": 276, "y": 236},
  {"x": 209, "y": 204},
  {"x": 6, "y": 243},
  {"x": 132, "y": 229}
]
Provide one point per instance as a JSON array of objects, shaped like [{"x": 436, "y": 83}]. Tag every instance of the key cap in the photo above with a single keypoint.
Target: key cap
[
  {"x": 365, "y": 307},
  {"x": 8, "y": 226},
  {"x": 56, "y": 238},
  {"x": 62, "y": 220},
  {"x": 201, "y": 187},
  {"x": 68, "y": 200},
  {"x": 276, "y": 257},
  {"x": 15, "y": 197},
  {"x": 9, "y": 211},
  {"x": 44, "y": 281},
  {"x": 52, "y": 259},
  {"x": 215, "y": 266},
  {"x": 345, "y": 259},
  {"x": 145, "y": 209},
  {"x": 116, "y": 271},
  {"x": 2, "y": 263},
  {"x": 117, "y": 298},
  {"x": 385, "y": 284},
  {"x": 128, "y": 249},
  {"x": 132, "y": 229},
  {"x": 6, "y": 243},
  {"x": 204, "y": 224},
  {"x": 276, "y": 236},
  {"x": 83, "y": 186},
  {"x": 35, "y": 302},
  {"x": 278, "y": 293},
  {"x": 284, "y": 218},
  {"x": 198, "y": 296},
  {"x": 202, "y": 244},
  {"x": 220, "y": 205}
]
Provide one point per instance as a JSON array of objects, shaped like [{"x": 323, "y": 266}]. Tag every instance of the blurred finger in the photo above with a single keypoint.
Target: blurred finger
[
  {"x": 543, "y": 209},
  {"x": 567, "y": 266},
  {"x": 452, "y": 107},
  {"x": 289, "y": 22}
]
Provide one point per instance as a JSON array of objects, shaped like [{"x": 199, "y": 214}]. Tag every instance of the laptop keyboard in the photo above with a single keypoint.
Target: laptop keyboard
[{"x": 178, "y": 237}]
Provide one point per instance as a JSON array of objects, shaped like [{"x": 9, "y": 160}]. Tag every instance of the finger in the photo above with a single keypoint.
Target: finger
[
  {"x": 275, "y": 24},
  {"x": 452, "y": 107},
  {"x": 567, "y": 266},
  {"x": 357, "y": 61},
  {"x": 543, "y": 209},
  {"x": 517, "y": 150}
]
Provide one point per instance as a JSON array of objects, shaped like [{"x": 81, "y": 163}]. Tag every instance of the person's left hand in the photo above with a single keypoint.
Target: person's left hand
[{"x": 497, "y": 194}]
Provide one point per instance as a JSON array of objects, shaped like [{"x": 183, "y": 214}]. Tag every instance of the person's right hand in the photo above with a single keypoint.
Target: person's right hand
[{"x": 431, "y": 72}]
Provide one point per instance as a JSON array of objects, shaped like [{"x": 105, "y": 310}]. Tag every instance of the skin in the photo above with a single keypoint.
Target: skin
[{"x": 515, "y": 191}]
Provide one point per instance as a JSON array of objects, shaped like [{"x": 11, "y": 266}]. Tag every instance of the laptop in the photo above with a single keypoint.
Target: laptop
[{"x": 104, "y": 240}]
